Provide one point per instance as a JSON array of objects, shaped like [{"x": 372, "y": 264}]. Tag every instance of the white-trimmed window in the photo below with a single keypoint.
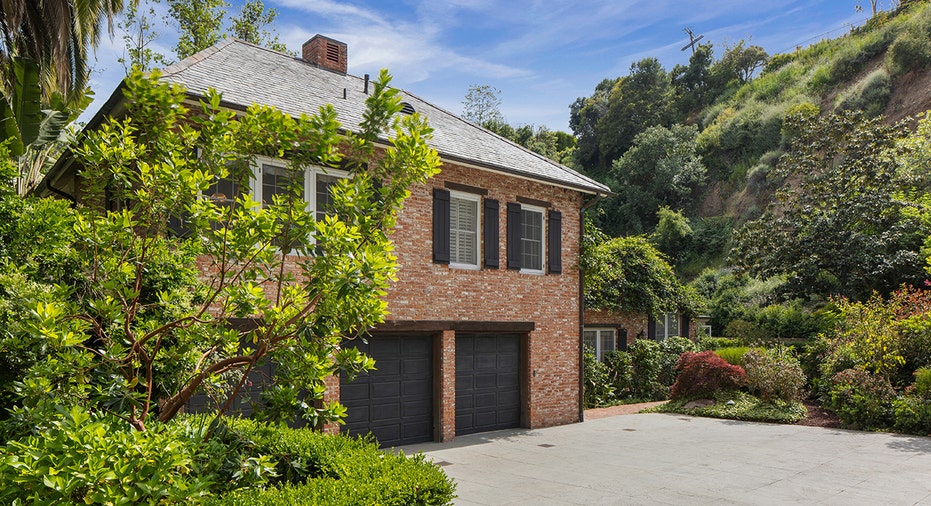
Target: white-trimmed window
[
  {"x": 667, "y": 326},
  {"x": 532, "y": 240},
  {"x": 600, "y": 340},
  {"x": 273, "y": 177},
  {"x": 464, "y": 219}
]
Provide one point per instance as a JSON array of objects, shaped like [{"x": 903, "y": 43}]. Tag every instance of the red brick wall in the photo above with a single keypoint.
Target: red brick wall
[{"x": 430, "y": 291}]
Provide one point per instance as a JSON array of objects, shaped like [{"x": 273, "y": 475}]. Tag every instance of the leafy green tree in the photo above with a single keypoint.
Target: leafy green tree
[
  {"x": 741, "y": 62},
  {"x": 697, "y": 84},
  {"x": 662, "y": 168},
  {"x": 629, "y": 274},
  {"x": 482, "y": 105},
  {"x": 584, "y": 116},
  {"x": 638, "y": 101},
  {"x": 200, "y": 24},
  {"x": 143, "y": 328},
  {"x": 672, "y": 233},
  {"x": 138, "y": 37},
  {"x": 57, "y": 35},
  {"x": 844, "y": 221},
  {"x": 250, "y": 25}
]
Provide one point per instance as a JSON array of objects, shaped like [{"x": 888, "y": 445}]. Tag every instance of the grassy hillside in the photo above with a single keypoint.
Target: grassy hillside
[
  {"x": 882, "y": 68},
  {"x": 720, "y": 171}
]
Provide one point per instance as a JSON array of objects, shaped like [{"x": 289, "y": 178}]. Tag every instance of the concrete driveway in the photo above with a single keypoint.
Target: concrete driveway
[{"x": 675, "y": 459}]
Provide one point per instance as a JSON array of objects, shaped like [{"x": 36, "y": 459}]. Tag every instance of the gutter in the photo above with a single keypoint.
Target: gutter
[
  {"x": 60, "y": 193},
  {"x": 585, "y": 206}
]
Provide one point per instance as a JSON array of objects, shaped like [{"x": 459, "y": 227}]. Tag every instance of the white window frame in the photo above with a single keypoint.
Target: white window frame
[
  {"x": 310, "y": 180},
  {"x": 665, "y": 324},
  {"x": 471, "y": 197},
  {"x": 542, "y": 212},
  {"x": 599, "y": 351}
]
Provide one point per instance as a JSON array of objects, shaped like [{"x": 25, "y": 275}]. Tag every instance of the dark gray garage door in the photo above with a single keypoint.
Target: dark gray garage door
[
  {"x": 487, "y": 382},
  {"x": 395, "y": 402}
]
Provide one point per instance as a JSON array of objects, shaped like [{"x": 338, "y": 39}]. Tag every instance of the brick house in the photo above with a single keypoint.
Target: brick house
[{"x": 485, "y": 319}]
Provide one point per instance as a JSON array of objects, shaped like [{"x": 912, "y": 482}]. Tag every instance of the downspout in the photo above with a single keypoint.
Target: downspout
[{"x": 585, "y": 206}]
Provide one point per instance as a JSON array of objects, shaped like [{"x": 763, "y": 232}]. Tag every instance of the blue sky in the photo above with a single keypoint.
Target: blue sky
[{"x": 541, "y": 54}]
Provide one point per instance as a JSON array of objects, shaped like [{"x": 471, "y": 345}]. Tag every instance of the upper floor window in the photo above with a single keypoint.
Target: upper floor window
[
  {"x": 463, "y": 230},
  {"x": 534, "y": 239},
  {"x": 531, "y": 240}
]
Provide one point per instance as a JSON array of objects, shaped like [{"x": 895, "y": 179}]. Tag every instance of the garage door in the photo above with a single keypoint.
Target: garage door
[
  {"x": 487, "y": 382},
  {"x": 394, "y": 402}
]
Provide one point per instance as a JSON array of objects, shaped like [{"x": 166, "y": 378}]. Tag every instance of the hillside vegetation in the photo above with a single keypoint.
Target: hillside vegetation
[{"x": 703, "y": 141}]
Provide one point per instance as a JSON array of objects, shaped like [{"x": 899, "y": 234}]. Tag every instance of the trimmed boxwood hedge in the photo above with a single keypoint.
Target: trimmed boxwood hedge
[{"x": 315, "y": 468}]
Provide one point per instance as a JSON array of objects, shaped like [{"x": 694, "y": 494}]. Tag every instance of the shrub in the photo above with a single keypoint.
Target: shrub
[
  {"x": 910, "y": 51},
  {"x": 869, "y": 95},
  {"x": 746, "y": 331},
  {"x": 703, "y": 374},
  {"x": 774, "y": 373},
  {"x": 87, "y": 458},
  {"x": 598, "y": 390},
  {"x": 647, "y": 363},
  {"x": 716, "y": 343},
  {"x": 913, "y": 410},
  {"x": 912, "y": 415},
  {"x": 620, "y": 372},
  {"x": 670, "y": 351},
  {"x": 316, "y": 468},
  {"x": 733, "y": 355},
  {"x": 861, "y": 399}
]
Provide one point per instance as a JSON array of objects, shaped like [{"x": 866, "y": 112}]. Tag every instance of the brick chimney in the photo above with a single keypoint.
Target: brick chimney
[{"x": 326, "y": 52}]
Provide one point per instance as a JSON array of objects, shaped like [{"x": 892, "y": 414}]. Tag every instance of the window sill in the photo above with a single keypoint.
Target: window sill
[
  {"x": 464, "y": 267},
  {"x": 534, "y": 272}
]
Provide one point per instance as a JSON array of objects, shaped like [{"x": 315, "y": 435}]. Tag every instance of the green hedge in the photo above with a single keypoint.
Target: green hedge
[{"x": 315, "y": 468}]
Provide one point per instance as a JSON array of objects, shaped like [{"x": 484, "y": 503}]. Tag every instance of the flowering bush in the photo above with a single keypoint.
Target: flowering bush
[
  {"x": 703, "y": 374},
  {"x": 774, "y": 373}
]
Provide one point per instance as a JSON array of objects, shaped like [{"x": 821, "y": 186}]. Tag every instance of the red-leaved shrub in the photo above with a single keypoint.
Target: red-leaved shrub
[{"x": 703, "y": 374}]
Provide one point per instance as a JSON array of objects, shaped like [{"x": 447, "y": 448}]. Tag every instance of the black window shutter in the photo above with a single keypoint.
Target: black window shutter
[
  {"x": 490, "y": 233},
  {"x": 514, "y": 226},
  {"x": 554, "y": 243},
  {"x": 440, "y": 226}
]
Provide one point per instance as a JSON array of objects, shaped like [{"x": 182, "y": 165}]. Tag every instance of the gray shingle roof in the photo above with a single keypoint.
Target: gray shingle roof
[{"x": 247, "y": 74}]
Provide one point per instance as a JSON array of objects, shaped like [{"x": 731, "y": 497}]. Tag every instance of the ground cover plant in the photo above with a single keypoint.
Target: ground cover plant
[{"x": 737, "y": 405}]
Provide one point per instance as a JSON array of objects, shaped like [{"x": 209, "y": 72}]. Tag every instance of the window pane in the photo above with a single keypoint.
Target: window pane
[
  {"x": 463, "y": 231},
  {"x": 672, "y": 324},
  {"x": 660, "y": 329},
  {"x": 607, "y": 340},
  {"x": 324, "y": 195},
  {"x": 277, "y": 180},
  {"x": 589, "y": 338},
  {"x": 224, "y": 191},
  {"x": 531, "y": 240}
]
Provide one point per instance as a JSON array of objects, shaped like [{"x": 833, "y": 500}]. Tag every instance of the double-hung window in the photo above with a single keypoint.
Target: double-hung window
[
  {"x": 534, "y": 239},
  {"x": 600, "y": 341},
  {"x": 531, "y": 240},
  {"x": 463, "y": 230}
]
